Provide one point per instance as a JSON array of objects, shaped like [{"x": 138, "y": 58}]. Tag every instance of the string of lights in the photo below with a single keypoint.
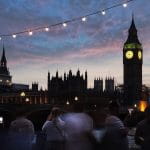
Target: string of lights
[{"x": 65, "y": 23}]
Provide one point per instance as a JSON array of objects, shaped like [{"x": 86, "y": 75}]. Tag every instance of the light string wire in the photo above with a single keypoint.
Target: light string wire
[{"x": 64, "y": 23}]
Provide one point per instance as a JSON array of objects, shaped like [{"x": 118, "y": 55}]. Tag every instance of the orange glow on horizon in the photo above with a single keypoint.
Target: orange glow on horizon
[{"x": 142, "y": 105}]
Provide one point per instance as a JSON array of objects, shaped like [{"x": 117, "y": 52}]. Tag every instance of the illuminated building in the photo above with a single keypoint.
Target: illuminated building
[
  {"x": 10, "y": 93},
  {"x": 132, "y": 67}
]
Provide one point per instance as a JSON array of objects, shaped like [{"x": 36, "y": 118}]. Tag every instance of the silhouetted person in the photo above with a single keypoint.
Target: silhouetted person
[
  {"x": 142, "y": 135},
  {"x": 78, "y": 125},
  {"x": 99, "y": 130},
  {"x": 115, "y": 137},
  {"x": 53, "y": 128},
  {"x": 21, "y": 132}
]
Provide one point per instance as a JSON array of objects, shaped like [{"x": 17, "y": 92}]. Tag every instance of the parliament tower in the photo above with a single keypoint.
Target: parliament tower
[
  {"x": 132, "y": 64},
  {"x": 5, "y": 77}
]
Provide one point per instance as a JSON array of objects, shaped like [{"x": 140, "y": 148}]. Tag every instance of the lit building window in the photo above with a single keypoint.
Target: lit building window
[
  {"x": 23, "y": 94},
  {"x": 27, "y": 100}
]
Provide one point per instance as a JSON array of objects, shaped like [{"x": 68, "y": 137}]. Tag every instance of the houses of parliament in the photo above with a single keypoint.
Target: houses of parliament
[{"x": 72, "y": 88}]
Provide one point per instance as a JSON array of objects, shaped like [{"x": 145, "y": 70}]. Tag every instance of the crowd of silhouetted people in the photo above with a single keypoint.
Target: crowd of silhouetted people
[{"x": 78, "y": 130}]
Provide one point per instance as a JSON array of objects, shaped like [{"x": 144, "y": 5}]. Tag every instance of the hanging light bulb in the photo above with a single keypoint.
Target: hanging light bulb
[
  {"x": 125, "y": 5},
  {"x": 47, "y": 29},
  {"x": 14, "y": 36},
  {"x": 30, "y": 33},
  {"x": 64, "y": 24},
  {"x": 103, "y": 12},
  {"x": 84, "y": 19}
]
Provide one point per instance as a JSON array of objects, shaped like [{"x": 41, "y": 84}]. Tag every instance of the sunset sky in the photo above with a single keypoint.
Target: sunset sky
[{"x": 95, "y": 45}]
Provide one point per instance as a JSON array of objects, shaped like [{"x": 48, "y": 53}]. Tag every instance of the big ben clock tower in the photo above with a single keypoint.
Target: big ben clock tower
[{"x": 132, "y": 63}]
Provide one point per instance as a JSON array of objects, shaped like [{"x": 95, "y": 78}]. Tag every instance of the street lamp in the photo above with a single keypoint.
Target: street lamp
[
  {"x": 22, "y": 96},
  {"x": 27, "y": 99},
  {"x": 1, "y": 120},
  {"x": 135, "y": 105},
  {"x": 76, "y": 98},
  {"x": 67, "y": 103}
]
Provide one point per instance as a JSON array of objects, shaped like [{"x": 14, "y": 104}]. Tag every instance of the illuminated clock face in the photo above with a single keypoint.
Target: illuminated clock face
[
  {"x": 129, "y": 54},
  {"x": 139, "y": 54}
]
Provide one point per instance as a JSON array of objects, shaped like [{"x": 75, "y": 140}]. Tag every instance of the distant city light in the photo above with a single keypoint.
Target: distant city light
[
  {"x": 14, "y": 36},
  {"x": 23, "y": 94},
  {"x": 47, "y": 29},
  {"x": 103, "y": 12},
  {"x": 142, "y": 105},
  {"x": 7, "y": 81},
  {"x": 130, "y": 110},
  {"x": 84, "y": 19},
  {"x": 1, "y": 120},
  {"x": 67, "y": 103},
  {"x": 125, "y": 5},
  {"x": 27, "y": 100},
  {"x": 76, "y": 98},
  {"x": 30, "y": 33},
  {"x": 65, "y": 24}
]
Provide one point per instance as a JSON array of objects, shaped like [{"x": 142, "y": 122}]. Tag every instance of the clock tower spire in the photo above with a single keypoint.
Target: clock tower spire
[
  {"x": 132, "y": 65},
  {"x": 3, "y": 59},
  {"x": 5, "y": 77},
  {"x": 132, "y": 36}
]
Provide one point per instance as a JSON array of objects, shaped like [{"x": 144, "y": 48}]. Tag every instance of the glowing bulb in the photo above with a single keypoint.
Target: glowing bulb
[
  {"x": 0, "y": 38},
  {"x": 135, "y": 105},
  {"x": 30, "y": 32},
  {"x": 84, "y": 19},
  {"x": 67, "y": 103},
  {"x": 1, "y": 120},
  {"x": 22, "y": 94},
  {"x": 27, "y": 100},
  {"x": 76, "y": 98},
  {"x": 14, "y": 36},
  {"x": 47, "y": 29},
  {"x": 125, "y": 5},
  {"x": 142, "y": 105},
  {"x": 65, "y": 24},
  {"x": 103, "y": 12}
]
